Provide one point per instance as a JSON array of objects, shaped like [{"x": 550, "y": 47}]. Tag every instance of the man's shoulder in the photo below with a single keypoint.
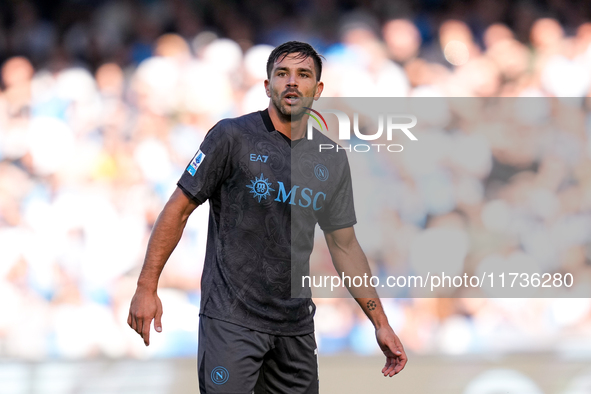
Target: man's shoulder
[{"x": 251, "y": 121}]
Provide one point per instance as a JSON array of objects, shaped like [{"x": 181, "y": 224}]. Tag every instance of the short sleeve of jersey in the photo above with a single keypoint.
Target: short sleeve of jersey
[
  {"x": 210, "y": 166},
  {"x": 340, "y": 213}
]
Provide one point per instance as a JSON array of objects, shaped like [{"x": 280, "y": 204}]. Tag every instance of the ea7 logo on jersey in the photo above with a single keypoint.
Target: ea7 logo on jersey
[
  {"x": 255, "y": 157},
  {"x": 197, "y": 160}
]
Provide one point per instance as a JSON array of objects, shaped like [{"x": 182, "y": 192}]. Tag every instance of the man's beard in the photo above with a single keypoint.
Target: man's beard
[{"x": 291, "y": 112}]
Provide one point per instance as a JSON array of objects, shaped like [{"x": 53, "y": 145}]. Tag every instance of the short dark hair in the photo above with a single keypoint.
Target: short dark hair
[{"x": 304, "y": 50}]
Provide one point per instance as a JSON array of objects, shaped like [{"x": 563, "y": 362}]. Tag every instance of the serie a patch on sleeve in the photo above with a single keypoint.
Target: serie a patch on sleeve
[{"x": 197, "y": 160}]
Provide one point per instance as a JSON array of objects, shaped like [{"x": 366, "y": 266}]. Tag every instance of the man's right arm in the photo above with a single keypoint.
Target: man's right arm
[{"x": 166, "y": 234}]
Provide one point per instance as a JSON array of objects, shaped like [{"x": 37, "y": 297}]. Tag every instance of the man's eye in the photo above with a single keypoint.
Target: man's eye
[
  {"x": 304, "y": 75},
  {"x": 281, "y": 74}
]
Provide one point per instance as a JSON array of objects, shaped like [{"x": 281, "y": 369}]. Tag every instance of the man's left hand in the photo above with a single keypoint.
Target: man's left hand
[{"x": 392, "y": 347}]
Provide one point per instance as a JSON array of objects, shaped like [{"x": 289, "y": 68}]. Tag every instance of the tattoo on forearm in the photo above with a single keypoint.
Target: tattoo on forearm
[{"x": 371, "y": 305}]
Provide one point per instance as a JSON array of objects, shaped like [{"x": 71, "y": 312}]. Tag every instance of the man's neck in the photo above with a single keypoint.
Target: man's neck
[{"x": 294, "y": 130}]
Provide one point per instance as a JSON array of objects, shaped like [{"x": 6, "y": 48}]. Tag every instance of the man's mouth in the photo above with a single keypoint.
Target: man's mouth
[{"x": 291, "y": 98}]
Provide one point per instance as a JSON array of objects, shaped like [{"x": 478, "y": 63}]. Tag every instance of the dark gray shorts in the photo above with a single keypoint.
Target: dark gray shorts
[{"x": 237, "y": 360}]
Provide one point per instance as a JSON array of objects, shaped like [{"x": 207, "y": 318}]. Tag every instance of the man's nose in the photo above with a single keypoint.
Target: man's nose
[{"x": 292, "y": 80}]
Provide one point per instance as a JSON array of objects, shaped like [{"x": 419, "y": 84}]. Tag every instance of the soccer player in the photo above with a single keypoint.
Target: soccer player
[{"x": 267, "y": 187}]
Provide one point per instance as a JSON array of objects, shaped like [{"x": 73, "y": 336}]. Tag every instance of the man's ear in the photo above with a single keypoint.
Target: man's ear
[
  {"x": 267, "y": 88},
  {"x": 319, "y": 89}
]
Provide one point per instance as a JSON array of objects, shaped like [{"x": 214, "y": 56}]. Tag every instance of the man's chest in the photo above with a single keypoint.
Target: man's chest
[{"x": 272, "y": 173}]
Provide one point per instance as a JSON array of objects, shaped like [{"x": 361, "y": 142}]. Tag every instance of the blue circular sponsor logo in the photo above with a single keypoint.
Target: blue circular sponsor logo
[
  {"x": 321, "y": 172},
  {"x": 220, "y": 375},
  {"x": 260, "y": 187}
]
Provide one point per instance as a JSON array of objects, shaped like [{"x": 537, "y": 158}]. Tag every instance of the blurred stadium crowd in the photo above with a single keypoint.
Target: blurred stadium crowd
[{"x": 104, "y": 103}]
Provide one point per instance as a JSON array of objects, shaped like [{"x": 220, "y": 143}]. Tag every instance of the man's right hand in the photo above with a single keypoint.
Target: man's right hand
[
  {"x": 166, "y": 234},
  {"x": 145, "y": 306}
]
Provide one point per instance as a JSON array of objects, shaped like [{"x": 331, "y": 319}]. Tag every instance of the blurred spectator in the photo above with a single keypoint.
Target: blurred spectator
[
  {"x": 403, "y": 40},
  {"x": 29, "y": 34}
]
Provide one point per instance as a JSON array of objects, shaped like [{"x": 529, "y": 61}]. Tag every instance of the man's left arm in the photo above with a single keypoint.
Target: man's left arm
[{"x": 349, "y": 259}]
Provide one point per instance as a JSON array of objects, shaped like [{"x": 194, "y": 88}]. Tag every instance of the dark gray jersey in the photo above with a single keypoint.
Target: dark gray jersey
[{"x": 265, "y": 199}]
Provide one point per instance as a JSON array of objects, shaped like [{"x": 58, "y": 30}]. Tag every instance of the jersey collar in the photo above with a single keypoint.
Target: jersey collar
[
  {"x": 270, "y": 128},
  {"x": 267, "y": 120}
]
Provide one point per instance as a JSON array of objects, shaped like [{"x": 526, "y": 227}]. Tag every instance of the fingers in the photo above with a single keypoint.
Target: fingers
[
  {"x": 389, "y": 366},
  {"x": 395, "y": 358},
  {"x": 393, "y": 366},
  {"x": 399, "y": 367},
  {"x": 391, "y": 370},
  {"x": 131, "y": 320},
  {"x": 158, "y": 319},
  {"x": 158, "y": 323},
  {"x": 144, "y": 308},
  {"x": 145, "y": 330},
  {"x": 402, "y": 359},
  {"x": 138, "y": 326},
  {"x": 141, "y": 326}
]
